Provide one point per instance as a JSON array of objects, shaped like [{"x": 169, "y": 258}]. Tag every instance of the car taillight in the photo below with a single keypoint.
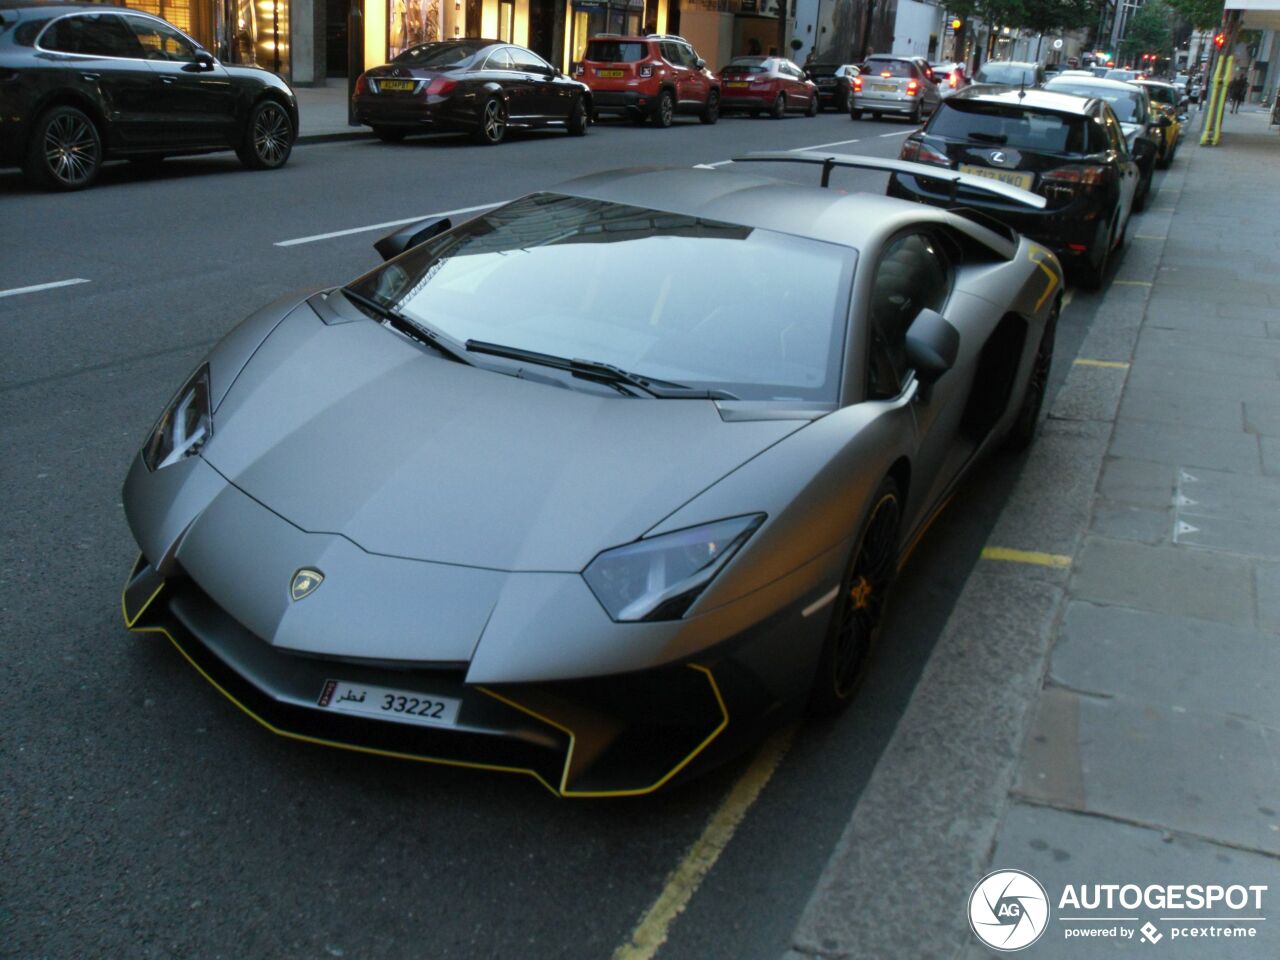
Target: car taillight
[
  {"x": 857, "y": 84},
  {"x": 920, "y": 152},
  {"x": 362, "y": 85},
  {"x": 1085, "y": 176},
  {"x": 646, "y": 70},
  {"x": 440, "y": 86},
  {"x": 951, "y": 81},
  {"x": 885, "y": 73},
  {"x": 912, "y": 88}
]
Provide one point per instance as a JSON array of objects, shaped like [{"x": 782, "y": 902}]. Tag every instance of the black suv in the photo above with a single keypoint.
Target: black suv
[
  {"x": 80, "y": 84},
  {"x": 1068, "y": 149}
]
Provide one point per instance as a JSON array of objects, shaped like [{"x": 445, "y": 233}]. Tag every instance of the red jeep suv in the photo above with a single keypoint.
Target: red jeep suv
[{"x": 653, "y": 77}]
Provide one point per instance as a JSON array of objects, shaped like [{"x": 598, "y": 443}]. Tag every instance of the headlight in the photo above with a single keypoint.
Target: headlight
[
  {"x": 660, "y": 577},
  {"x": 185, "y": 427}
]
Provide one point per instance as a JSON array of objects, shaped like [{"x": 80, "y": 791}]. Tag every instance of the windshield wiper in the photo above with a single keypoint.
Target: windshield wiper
[
  {"x": 599, "y": 372},
  {"x": 989, "y": 137},
  {"x": 410, "y": 328}
]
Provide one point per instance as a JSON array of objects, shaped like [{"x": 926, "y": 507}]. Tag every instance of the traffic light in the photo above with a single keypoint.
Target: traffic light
[
  {"x": 1219, "y": 39},
  {"x": 957, "y": 23}
]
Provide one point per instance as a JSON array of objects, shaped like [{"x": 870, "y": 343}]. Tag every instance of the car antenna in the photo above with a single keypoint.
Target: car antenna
[{"x": 1022, "y": 87}]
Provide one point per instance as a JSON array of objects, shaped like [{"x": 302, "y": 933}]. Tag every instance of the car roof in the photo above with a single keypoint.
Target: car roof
[
  {"x": 751, "y": 200},
  {"x": 1098, "y": 82},
  {"x": 1152, "y": 83},
  {"x": 27, "y": 7},
  {"x": 1035, "y": 99},
  {"x": 1010, "y": 63}
]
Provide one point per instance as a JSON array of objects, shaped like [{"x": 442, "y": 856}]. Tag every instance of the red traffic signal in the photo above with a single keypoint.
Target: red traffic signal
[{"x": 1219, "y": 39}]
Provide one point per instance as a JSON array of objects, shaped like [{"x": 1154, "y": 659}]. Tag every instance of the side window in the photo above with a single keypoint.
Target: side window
[
  {"x": 913, "y": 275},
  {"x": 1099, "y": 141},
  {"x": 688, "y": 57},
  {"x": 528, "y": 61},
  {"x": 94, "y": 34},
  {"x": 499, "y": 60},
  {"x": 1115, "y": 134},
  {"x": 670, "y": 53},
  {"x": 160, "y": 41}
]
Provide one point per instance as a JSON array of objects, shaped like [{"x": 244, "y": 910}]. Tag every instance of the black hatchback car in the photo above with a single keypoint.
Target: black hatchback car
[
  {"x": 81, "y": 84},
  {"x": 1069, "y": 150},
  {"x": 482, "y": 87}
]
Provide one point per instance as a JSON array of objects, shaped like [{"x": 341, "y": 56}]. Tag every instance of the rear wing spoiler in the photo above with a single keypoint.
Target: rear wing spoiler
[{"x": 954, "y": 178}]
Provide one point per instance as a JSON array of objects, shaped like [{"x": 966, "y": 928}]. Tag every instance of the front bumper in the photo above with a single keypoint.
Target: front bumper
[{"x": 623, "y": 735}]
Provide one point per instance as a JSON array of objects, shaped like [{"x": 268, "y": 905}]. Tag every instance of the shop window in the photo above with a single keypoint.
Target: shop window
[{"x": 410, "y": 22}]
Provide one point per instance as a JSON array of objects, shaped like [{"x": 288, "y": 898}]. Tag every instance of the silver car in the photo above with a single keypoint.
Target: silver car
[
  {"x": 897, "y": 85},
  {"x": 496, "y": 504}
]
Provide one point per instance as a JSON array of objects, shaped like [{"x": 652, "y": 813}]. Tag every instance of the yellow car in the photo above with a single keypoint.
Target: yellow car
[{"x": 1166, "y": 104}]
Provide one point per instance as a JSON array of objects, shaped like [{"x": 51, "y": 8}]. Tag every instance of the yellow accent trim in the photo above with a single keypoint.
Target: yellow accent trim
[
  {"x": 1056, "y": 560},
  {"x": 1109, "y": 364},
  {"x": 1131, "y": 283},
  {"x": 468, "y": 764},
  {"x": 638, "y": 791},
  {"x": 1042, "y": 263},
  {"x": 124, "y": 610},
  {"x": 915, "y": 541},
  {"x": 682, "y": 883}
]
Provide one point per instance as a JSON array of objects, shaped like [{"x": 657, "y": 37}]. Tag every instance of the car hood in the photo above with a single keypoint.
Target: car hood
[{"x": 351, "y": 429}]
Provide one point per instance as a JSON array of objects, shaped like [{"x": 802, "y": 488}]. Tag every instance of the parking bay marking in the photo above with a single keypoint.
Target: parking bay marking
[
  {"x": 382, "y": 226},
  {"x": 900, "y": 133},
  {"x": 1109, "y": 364},
  {"x": 1007, "y": 555},
  {"x": 651, "y": 932},
  {"x": 16, "y": 291},
  {"x": 819, "y": 146}
]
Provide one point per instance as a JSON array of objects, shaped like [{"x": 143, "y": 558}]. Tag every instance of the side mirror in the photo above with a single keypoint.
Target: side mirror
[
  {"x": 932, "y": 346},
  {"x": 394, "y": 244},
  {"x": 204, "y": 60},
  {"x": 699, "y": 63}
]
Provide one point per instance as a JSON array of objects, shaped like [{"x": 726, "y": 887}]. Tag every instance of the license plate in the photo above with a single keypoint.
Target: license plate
[
  {"x": 402, "y": 706},
  {"x": 398, "y": 85},
  {"x": 884, "y": 88},
  {"x": 1017, "y": 179},
  {"x": 610, "y": 73},
  {"x": 736, "y": 83}
]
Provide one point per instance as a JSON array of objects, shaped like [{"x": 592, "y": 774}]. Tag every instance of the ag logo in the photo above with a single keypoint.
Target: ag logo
[
  {"x": 1008, "y": 910},
  {"x": 305, "y": 582}
]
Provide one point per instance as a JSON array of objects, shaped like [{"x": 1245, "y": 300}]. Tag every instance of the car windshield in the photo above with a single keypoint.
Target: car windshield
[
  {"x": 1008, "y": 126},
  {"x": 1007, "y": 74},
  {"x": 615, "y": 51},
  {"x": 437, "y": 55},
  {"x": 1127, "y": 104},
  {"x": 667, "y": 296},
  {"x": 891, "y": 68}
]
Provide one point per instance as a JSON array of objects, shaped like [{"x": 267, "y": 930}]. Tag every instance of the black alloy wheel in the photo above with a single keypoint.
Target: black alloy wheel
[
  {"x": 711, "y": 110},
  {"x": 1023, "y": 430},
  {"x": 917, "y": 115},
  {"x": 842, "y": 101},
  {"x": 779, "y": 108},
  {"x": 493, "y": 122},
  {"x": 65, "y": 152},
  {"x": 665, "y": 110},
  {"x": 857, "y": 612},
  {"x": 389, "y": 134},
  {"x": 1094, "y": 272},
  {"x": 578, "y": 120},
  {"x": 855, "y": 114},
  {"x": 268, "y": 137},
  {"x": 1144, "y": 187}
]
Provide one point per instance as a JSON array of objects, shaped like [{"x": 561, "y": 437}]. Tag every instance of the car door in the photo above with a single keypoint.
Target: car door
[
  {"x": 544, "y": 99},
  {"x": 195, "y": 103},
  {"x": 680, "y": 71},
  {"x": 517, "y": 88},
  {"x": 1129, "y": 173},
  {"x": 695, "y": 89},
  {"x": 915, "y": 272},
  {"x": 100, "y": 58}
]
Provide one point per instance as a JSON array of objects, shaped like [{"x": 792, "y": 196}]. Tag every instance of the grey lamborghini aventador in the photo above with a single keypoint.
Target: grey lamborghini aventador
[{"x": 597, "y": 487}]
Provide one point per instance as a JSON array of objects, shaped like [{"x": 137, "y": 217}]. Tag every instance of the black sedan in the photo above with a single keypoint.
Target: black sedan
[
  {"x": 1071, "y": 151},
  {"x": 80, "y": 84},
  {"x": 481, "y": 87},
  {"x": 835, "y": 83}
]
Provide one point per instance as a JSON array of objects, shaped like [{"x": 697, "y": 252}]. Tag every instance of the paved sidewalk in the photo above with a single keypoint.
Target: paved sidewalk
[
  {"x": 322, "y": 113},
  {"x": 1110, "y": 713}
]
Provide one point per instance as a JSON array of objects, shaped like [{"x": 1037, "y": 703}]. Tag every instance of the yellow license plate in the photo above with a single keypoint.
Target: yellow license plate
[
  {"x": 884, "y": 87},
  {"x": 398, "y": 85},
  {"x": 613, "y": 74},
  {"x": 1013, "y": 177},
  {"x": 736, "y": 83}
]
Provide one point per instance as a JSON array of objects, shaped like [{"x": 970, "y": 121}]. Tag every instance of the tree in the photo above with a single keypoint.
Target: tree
[
  {"x": 1148, "y": 31},
  {"x": 1054, "y": 16},
  {"x": 1201, "y": 14}
]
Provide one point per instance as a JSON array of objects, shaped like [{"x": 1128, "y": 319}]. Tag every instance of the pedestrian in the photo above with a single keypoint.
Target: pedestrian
[{"x": 1237, "y": 89}]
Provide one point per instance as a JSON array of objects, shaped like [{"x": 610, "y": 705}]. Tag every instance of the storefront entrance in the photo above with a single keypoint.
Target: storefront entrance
[{"x": 591, "y": 17}]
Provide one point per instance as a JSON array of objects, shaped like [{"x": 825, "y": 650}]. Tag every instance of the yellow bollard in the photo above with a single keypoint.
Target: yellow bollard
[{"x": 1212, "y": 135}]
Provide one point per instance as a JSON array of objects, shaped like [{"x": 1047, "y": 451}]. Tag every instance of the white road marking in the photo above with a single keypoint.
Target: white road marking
[
  {"x": 819, "y": 146},
  {"x": 383, "y": 226},
  {"x": 42, "y": 286},
  {"x": 899, "y": 133}
]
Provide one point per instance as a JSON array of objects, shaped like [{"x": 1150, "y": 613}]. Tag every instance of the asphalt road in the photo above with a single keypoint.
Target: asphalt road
[{"x": 140, "y": 814}]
